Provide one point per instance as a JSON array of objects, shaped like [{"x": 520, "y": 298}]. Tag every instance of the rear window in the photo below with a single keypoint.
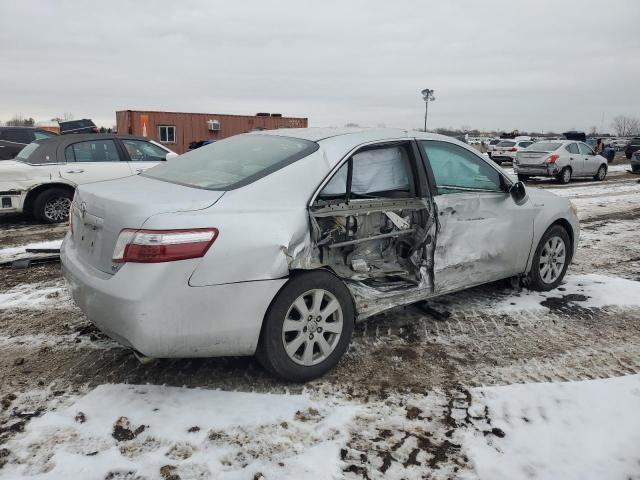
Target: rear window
[
  {"x": 544, "y": 146},
  {"x": 27, "y": 152},
  {"x": 494, "y": 142},
  {"x": 506, "y": 143},
  {"x": 233, "y": 162}
]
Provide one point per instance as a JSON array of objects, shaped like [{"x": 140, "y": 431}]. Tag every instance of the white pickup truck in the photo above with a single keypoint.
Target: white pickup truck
[{"x": 41, "y": 180}]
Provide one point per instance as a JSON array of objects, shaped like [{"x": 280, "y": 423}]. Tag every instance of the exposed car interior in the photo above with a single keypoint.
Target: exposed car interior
[{"x": 370, "y": 225}]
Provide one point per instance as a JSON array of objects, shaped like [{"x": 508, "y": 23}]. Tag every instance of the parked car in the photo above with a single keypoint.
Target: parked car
[
  {"x": 608, "y": 152},
  {"x": 506, "y": 150},
  {"x": 635, "y": 162},
  {"x": 78, "y": 126},
  {"x": 492, "y": 143},
  {"x": 561, "y": 159},
  {"x": 14, "y": 139},
  {"x": 275, "y": 243},
  {"x": 619, "y": 144},
  {"x": 632, "y": 146},
  {"x": 41, "y": 180}
]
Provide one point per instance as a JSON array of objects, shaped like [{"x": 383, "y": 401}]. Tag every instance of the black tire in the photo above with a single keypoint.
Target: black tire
[
  {"x": 52, "y": 205},
  {"x": 535, "y": 280},
  {"x": 564, "y": 176},
  {"x": 635, "y": 169},
  {"x": 523, "y": 178},
  {"x": 601, "y": 174},
  {"x": 499, "y": 162},
  {"x": 271, "y": 351}
]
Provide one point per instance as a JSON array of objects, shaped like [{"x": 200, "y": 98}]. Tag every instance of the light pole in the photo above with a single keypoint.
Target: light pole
[{"x": 427, "y": 96}]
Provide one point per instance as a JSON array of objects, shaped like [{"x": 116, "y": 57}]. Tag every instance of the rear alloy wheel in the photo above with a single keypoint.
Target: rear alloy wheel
[
  {"x": 52, "y": 205},
  {"x": 565, "y": 175},
  {"x": 551, "y": 259},
  {"x": 602, "y": 173},
  {"x": 307, "y": 328}
]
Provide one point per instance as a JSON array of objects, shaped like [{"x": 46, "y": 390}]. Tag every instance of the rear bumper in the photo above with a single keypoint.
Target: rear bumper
[
  {"x": 537, "y": 170},
  {"x": 151, "y": 308}
]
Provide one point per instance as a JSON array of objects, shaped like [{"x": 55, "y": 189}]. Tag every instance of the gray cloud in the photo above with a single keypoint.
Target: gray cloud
[{"x": 543, "y": 65}]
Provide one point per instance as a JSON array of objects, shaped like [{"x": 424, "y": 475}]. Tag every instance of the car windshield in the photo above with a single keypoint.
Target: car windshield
[
  {"x": 506, "y": 143},
  {"x": 233, "y": 162},
  {"x": 26, "y": 152},
  {"x": 544, "y": 147}
]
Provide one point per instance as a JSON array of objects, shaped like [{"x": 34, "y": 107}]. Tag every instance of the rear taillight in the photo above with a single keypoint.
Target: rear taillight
[
  {"x": 514, "y": 149},
  {"x": 553, "y": 158},
  {"x": 156, "y": 246}
]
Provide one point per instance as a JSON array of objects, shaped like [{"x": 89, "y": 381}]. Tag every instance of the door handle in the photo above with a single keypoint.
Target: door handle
[
  {"x": 75, "y": 171},
  {"x": 570, "y": 158}
]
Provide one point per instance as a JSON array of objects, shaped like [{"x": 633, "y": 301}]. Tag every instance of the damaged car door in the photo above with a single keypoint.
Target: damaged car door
[
  {"x": 484, "y": 234},
  {"x": 373, "y": 224}
]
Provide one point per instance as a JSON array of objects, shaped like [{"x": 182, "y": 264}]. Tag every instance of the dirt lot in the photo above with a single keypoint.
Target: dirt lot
[{"x": 433, "y": 352}]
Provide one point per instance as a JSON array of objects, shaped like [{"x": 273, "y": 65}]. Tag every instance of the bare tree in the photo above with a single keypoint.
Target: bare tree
[
  {"x": 20, "y": 121},
  {"x": 626, "y": 126}
]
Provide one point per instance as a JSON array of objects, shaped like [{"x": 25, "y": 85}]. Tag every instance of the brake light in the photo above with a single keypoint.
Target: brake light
[
  {"x": 514, "y": 149},
  {"x": 156, "y": 246},
  {"x": 553, "y": 158}
]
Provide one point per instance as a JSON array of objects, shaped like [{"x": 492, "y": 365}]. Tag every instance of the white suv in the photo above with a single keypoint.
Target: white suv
[
  {"x": 506, "y": 150},
  {"x": 42, "y": 179}
]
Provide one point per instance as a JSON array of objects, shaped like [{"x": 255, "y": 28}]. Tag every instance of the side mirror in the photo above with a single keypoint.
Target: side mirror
[
  {"x": 518, "y": 192},
  {"x": 170, "y": 155}
]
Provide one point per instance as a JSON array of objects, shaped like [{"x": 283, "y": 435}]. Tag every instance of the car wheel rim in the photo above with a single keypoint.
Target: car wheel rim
[
  {"x": 552, "y": 259},
  {"x": 312, "y": 327},
  {"x": 566, "y": 176},
  {"x": 601, "y": 173},
  {"x": 57, "y": 209}
]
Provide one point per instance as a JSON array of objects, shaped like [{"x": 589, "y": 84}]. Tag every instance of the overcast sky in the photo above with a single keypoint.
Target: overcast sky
[{"x": 537, "y": 65}]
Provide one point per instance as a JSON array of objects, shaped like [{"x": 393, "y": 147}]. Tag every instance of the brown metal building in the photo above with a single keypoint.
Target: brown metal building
[{"x": 176, "y": 130}]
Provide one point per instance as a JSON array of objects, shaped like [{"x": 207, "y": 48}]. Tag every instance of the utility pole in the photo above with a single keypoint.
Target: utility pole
[{"x": 427, "y": 96}]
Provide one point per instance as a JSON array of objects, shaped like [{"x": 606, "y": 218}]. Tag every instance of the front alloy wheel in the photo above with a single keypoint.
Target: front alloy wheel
[
  {"x": 53, "y": 205},
  {"x": 308, "y": 327},
  {"x": 551, "y": 259}
]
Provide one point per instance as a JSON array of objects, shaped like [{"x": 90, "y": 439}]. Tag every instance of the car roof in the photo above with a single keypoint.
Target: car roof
[
  {"x": 319, "y": 134},
  {"x": 81, "y": 137}
]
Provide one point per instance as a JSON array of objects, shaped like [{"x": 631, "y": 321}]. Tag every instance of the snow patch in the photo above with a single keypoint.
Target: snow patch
[
  {"x": 35, "y": 295},
  {"x": 13, "y": 253},
  {"x": 588, "y": 291},
  {"x": 191, "y": 432},
  {"x": 576, "y": 430}
]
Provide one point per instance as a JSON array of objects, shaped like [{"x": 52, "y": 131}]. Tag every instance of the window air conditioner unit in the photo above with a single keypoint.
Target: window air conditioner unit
[{"x": 214, "y": 125}]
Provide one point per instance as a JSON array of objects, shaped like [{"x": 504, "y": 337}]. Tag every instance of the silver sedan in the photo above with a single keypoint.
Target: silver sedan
[
  {"x": 560, "y": 159},
  {"x": 276, "y": 243}
]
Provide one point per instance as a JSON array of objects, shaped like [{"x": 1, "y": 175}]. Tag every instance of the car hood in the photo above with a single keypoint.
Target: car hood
[
  {"x": 15, "y": 173},
  {"x": 546, "y": 198}
]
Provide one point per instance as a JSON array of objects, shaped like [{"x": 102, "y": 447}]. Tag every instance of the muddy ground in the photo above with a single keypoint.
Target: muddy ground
[{"x": 449, "y": 344}]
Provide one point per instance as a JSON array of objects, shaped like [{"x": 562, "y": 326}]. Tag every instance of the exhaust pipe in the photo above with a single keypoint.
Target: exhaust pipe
[{"x": 143, "y": 359}]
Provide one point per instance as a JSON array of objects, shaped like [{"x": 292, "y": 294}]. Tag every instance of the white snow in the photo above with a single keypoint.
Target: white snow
[
  {"x": 576, "y": 430},
  {"x": 35, "y": 295},
  {"x": 240, "y": 434},
  {"x": 12, "y": 253},
  {"x": 600, "y": 290}
]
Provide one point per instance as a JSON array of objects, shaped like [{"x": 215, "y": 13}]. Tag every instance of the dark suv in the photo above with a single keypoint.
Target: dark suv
[
  {"x": 631, "y": 147},
  {"x": 14, "y": 139},
  {"x": 78, "y": 126}
]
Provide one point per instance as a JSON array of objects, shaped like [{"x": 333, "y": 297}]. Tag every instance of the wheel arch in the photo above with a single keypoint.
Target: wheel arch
[{"x": 34, "y": 192}]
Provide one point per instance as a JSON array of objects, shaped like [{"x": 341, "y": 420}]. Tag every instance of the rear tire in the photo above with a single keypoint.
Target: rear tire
[
  {"x": 564, "y": 176},
  {"x": 523, "y": 178},
  {"x": 602, "y": 173},
  {"x": 307, "y": 328},
  {"x": 551, "y": 259},
  {"x": 52, "y": 205}
]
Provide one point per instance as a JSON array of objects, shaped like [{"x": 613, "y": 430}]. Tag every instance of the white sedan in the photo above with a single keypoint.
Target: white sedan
[
  {"x": 274, "y": 243},
  {"x": 41, "y": 180}
]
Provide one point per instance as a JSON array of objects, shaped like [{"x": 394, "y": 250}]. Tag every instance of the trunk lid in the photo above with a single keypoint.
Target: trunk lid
[
  {"x": 101, "y": 210},
  {"x": 532, "y": 157}
]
